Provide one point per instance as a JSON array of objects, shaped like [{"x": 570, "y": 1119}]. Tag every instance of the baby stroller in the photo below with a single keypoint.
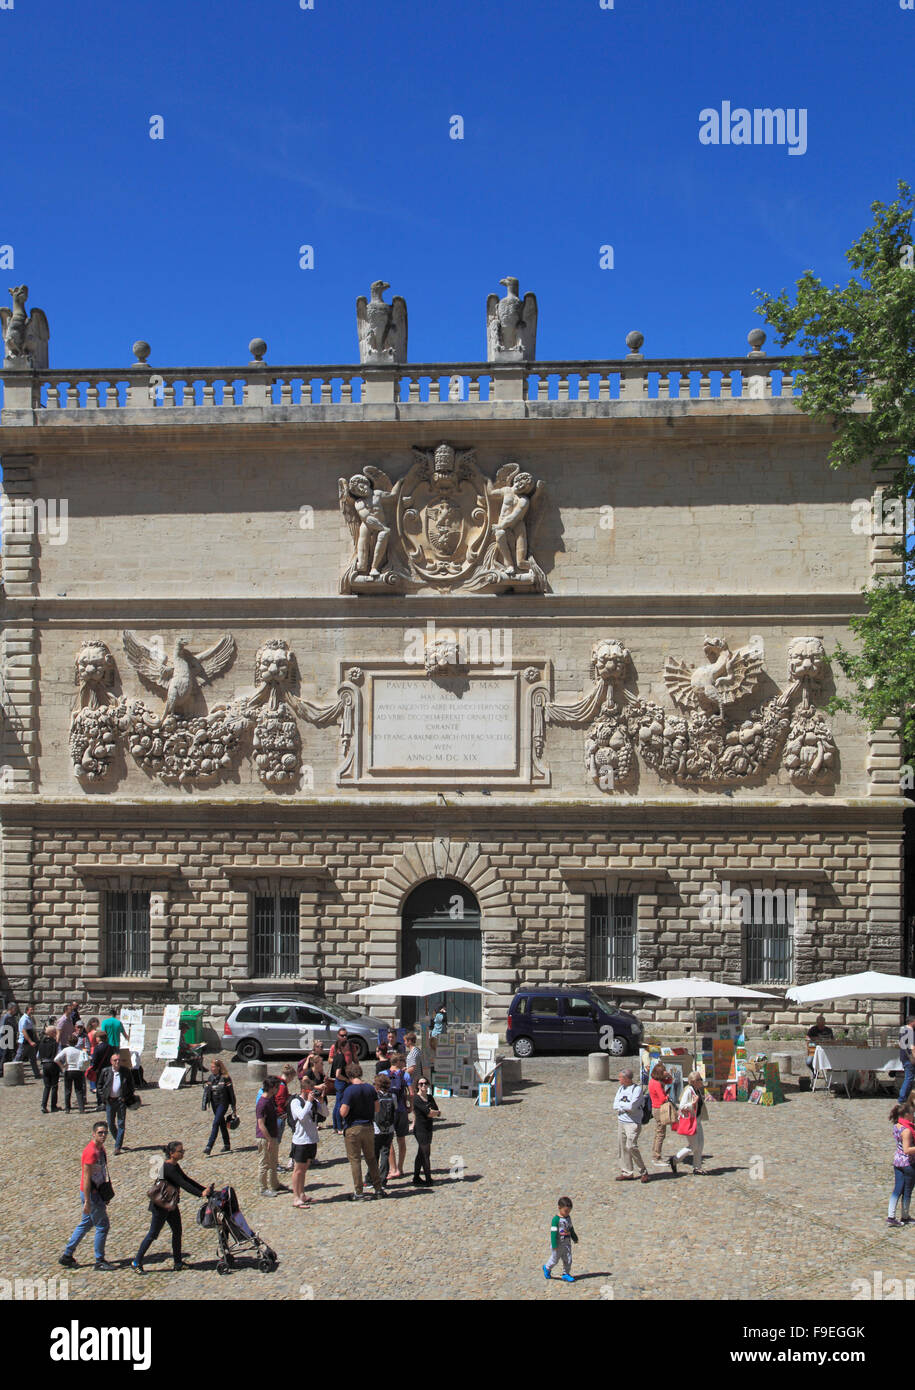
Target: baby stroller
[{"x": 221, "y": 1212}]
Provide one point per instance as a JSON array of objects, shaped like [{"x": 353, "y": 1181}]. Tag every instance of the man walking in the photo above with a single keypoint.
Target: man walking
[
  {"x": 28, "y": 1040},
  {"x": 116, "y": 1091},
  {"x": 358, "y": 1109},
  {"x": 628, "y": 1104},
  {"x": 95, "y": 1193}
]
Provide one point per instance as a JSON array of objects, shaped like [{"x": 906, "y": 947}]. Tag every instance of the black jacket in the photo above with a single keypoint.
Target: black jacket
[
  {"x": 218, "y": 1090},
  {"x": 175, "y": 1174},
  {"x": 128, "y": 1090}
]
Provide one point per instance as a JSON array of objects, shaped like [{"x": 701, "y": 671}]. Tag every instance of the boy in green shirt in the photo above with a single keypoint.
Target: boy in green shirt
[{"x": 562, "y": 1233}]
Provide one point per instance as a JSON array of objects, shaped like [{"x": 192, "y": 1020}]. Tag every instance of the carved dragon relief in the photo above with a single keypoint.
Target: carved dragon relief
[{"x": 714, "y": 739}]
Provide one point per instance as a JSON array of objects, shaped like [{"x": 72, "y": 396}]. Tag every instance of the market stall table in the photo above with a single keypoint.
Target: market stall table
[{"x": 835, "y": 1063}]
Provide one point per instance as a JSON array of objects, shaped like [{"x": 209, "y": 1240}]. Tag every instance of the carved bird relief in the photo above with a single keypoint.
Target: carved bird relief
[
  {"x": 725, "y": 678},
  {"x": 182, "y": 674},
  {"x": 25, "y": 336},
  {"x": 511, "y": 324},
  {"x": 382, "y": 327}
]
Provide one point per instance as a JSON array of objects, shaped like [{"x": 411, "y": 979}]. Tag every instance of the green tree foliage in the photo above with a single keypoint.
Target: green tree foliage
[{"x": 858, "y": 372}]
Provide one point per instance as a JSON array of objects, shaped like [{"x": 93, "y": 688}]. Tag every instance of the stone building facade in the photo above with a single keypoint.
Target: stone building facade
[{"x": 311, "y": 675}]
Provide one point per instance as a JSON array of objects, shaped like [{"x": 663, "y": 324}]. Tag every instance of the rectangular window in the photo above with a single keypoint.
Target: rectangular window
[
  {"x": 768, "y": 945},
  {"x": 127, "y": 933},
  {"x": 612, "y": 936},
  {"x": 275, "y": 936}
]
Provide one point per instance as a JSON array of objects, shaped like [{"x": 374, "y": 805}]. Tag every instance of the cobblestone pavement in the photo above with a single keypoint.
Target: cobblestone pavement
[{"x": 793, "y": 1207}]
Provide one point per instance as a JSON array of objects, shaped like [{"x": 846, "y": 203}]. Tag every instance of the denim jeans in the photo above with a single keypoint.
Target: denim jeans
[
  {"x": 116, "y": 1116},
  {"x": 219, "y": 1127},
  {"x": 338, "y": 1120},
  {"x": 27, "y": 1052},
  {"x": 50, "y": 1071},
  {"x": 96, "y": 1216},
  {"x": 74, "y": 1081},
  {"x": 907, "y": 1080},
  {"x": 902, "y": 1187}
]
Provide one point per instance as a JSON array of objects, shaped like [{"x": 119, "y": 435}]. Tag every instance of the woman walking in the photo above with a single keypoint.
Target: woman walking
[
  {"x": 665, "y": 1112},
  {"x": 901, "y": 1118},
  {"x": 424, "y": 1112},
  {"x": 689, "y": 1124},
  {"x": 163, "y": 1204},
  {"x": 219, "y": 1094}
]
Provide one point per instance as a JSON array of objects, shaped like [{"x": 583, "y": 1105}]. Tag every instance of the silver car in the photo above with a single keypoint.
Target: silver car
[{"x": 264, "y": 1024}]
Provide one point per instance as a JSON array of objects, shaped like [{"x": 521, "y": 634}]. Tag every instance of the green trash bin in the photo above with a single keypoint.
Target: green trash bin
[{"x": 192, "y": 1025}]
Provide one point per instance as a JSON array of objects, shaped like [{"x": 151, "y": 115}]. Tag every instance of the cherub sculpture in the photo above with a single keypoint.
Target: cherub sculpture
[
  {"x": 520, "y": 497},
  {"x": 382, "y": 327},
  {"x": 25, "y": 336},
  {"x": 363, "y": 501}
]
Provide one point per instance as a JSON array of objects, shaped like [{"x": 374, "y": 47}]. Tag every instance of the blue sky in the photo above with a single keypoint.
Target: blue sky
[{"x": 330, "y": 127}]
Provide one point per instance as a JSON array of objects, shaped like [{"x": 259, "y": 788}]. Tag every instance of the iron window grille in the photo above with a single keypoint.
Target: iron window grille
[
  {"x": 127, "y": 933},
  {"x": 275, "y": 935},
  {"x": 612, "y": 936}
]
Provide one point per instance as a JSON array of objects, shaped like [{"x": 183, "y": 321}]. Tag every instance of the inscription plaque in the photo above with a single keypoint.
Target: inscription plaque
[{"x": 448, "y": 725}]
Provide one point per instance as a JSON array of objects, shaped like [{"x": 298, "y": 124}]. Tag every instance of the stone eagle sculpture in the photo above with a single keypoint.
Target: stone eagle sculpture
[
  {"x": 182, "y": 674},
  {"x": 382, "y": 327},
  {"x": 511, "y": 324},
  {"x": 725, "y": 677},
  {"x": 25, "y": 336}
]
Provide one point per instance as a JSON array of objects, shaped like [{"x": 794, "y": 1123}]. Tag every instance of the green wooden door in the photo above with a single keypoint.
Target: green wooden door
[{"x": 441, "y": 932}]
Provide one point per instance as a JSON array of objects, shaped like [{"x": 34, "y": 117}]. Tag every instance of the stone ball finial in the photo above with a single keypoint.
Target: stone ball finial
[
  {"x": 257, "y": 347},
  {"x": 756, "y": 337},
  {"x": 141, "y": 351},
  {"x": 634, "y": 343}
]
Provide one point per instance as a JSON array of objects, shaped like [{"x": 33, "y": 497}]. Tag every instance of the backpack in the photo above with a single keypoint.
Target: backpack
[
  {"x": 646, "y": 1109},
  {"x": 387, "y": 1114}
]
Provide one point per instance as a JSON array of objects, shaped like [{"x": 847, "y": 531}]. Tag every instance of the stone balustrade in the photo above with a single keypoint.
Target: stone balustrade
[{"x": 259, "y": 385}]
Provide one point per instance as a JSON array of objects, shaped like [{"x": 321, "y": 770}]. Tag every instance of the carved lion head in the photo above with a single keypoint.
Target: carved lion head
[
  {"x": 273, "y": 663},
  {"x": 807, "y": 660},
  {"x": 94, "y": 665},
  {"x": 610, "y": 660}
]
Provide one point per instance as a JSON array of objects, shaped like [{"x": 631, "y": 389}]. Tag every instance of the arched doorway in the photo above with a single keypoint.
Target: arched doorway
[{"x": 441, "y": 932}]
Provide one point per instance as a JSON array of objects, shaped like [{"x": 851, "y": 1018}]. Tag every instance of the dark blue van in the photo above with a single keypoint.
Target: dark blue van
[{"x": 569, "y": 1019}]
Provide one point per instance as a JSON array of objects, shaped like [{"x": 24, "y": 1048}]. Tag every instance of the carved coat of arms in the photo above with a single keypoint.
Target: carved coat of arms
[{"x": 444, "y": 525}]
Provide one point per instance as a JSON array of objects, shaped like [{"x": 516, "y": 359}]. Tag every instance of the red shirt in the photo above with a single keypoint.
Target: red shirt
[
  {"x": 95, "y": 1155},
  {"x": 657, "y": 1094}
]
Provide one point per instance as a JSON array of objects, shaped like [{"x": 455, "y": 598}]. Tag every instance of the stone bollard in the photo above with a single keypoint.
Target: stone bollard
[
  {"x": 785, "y": 1063},
  {"x": 14, "y": 1074},
  {"x": 598, "y": 1066},
  {"x": 257, "y": 1071}
]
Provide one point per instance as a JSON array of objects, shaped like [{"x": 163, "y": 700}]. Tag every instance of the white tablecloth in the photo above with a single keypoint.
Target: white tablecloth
[{"x": 834, "y": 1058}]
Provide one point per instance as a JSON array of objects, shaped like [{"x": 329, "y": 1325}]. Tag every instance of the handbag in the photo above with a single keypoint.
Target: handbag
[
  {"x": 667, "y": 1114},
  {"x": 233, "y": 1122},
  {"x": 105, "y": 1191},
  {"x": 686, "y": 1124},
  {"x": 163, "y": 1194}
]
